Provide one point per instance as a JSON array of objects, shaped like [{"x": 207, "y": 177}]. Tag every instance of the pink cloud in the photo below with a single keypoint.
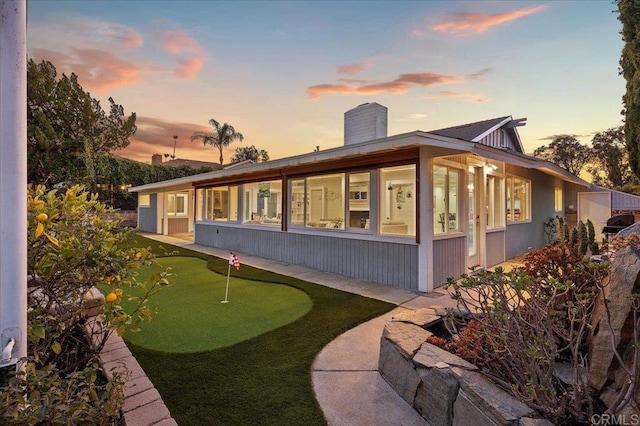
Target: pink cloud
[
  {"x": 398, "y": 86},
  {"x": 480, "y": 22},
  {"x": 395, "y": 87},
  {"x": 130, "y": 38},
  {"x": 155, "y": 136},
  {"x": 97, "y": 70},
  {"x": 176, "y": 42},
  {"x": 189, "y": 68},
  {"x": 351, "y": 69},
  {"x": 314, "y": 92},
  {"x": 429, "y": 79}
]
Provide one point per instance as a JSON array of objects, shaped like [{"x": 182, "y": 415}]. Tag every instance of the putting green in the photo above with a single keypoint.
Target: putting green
[{"x": 192, "y": 319}]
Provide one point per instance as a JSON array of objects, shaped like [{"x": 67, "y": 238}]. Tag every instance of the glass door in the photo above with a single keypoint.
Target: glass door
[{"x": 473, "y": 219}]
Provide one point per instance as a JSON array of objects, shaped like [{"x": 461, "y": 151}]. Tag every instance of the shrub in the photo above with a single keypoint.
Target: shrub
[
  {"x": 75, "y": 244},
  {"x": 525, "y": 320}
]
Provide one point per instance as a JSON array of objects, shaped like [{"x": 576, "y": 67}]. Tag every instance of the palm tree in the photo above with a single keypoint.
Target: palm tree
[{"x": 221, "y": 138}]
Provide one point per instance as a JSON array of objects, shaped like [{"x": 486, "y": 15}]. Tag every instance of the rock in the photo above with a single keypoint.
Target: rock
[
  {"x": 407, "y": 337},
  {"x": 431, "y": 356},
  {"x": 528, "y": 421},
  {"x": 421, "y": 317},
  {"x": 397, "y": 370},
  {"x": 435, "y": 396},
  {"x": 618, "y": 289},
  {"x": 482, "y": 399}
]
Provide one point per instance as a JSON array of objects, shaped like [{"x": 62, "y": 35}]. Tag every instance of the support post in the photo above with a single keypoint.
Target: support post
[{"x": 13, "y": 177}]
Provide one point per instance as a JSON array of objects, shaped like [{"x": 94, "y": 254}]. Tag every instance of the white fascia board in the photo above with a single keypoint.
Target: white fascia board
[{"x": 492, "y": 129}]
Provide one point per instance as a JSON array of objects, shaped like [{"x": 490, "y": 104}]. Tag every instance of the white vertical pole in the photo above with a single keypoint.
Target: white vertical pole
[
  {"x": 13, "y": 176},
  {"x": 226, "y": 291}
]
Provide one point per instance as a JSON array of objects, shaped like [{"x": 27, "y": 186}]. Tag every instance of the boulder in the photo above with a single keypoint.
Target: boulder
[
  {"x": 618, "y": 288},
  {"x": 436, "y": 395}
]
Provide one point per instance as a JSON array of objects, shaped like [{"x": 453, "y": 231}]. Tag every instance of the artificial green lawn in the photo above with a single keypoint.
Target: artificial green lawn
[
  {"x": 265, "y": 380},
  {"x": 192, "y": 318}
]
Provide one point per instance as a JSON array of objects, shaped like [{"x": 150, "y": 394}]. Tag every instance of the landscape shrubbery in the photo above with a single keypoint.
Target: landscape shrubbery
[
  {"x": 74, "y": 245},
  {"x": 523, "y": 326}
]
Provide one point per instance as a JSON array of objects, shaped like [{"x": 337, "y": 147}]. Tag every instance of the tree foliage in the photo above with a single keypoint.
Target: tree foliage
[
  {"x": 250, "y": 153},
  {"x": 629, "y": 15},
  {"x": 609, "y": 166},
  {"x": 567, "y": 152},
  {"x": 222, "y": 136},
  {"x": 67, "y": 128}
]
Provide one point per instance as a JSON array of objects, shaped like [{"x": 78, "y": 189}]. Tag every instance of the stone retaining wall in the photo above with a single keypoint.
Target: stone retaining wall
[
  {"x": 442, "y": 387},
  {"x": 143, "y": 405}
]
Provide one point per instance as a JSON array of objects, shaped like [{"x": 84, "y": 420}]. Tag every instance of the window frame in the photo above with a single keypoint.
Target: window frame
[
  {"x": 445, "y": 224},
  {"x": 174, "y": 212},
  {"x": 558, "y": 201},
  {"x": 496, "y": 208},
  {"x": 510, "y": 199}
]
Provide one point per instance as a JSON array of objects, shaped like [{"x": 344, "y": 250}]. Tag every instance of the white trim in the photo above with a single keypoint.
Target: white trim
[{"x": 425, "y": 248}]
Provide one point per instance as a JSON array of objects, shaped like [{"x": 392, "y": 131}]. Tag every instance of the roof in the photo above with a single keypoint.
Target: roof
[
  {"x": 441, "y": 145},
  {"x": 621, "y": 200},
  {"x": 470, "y": 131}
]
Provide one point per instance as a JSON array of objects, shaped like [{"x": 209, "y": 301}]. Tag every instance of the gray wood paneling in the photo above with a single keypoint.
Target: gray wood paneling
[
  {"x": 148, "y": 216},
  {"x": 449, "y": 259},
  {"x": 393, "y": 264},
  {"x": 495, "y": 248}
]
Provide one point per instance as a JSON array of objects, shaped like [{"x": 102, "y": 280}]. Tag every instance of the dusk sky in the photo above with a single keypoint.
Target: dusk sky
[{"x": 284, "y": 73}]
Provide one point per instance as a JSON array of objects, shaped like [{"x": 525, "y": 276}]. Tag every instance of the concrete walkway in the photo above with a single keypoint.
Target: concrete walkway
[{"x": 345, "y": 374}]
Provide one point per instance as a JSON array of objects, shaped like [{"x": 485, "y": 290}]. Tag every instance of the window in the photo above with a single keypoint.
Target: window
[
  {"x": 262, "y": 203},
  {"x": 518, "y": 199},
  {"x": 359, "y": 200},
  {"x": 177, "y": 204},
  {"x": 144, "y": 200},
  {"x": 326, "y": 205},
  {"x": 397, "y": 200},
  {"x": 221, "y": 203},
  {"x": 299, "y": 211},
  {"x": 446, "y": 200},
  {"x": 495, "y": 202},
  {"x": 558, "y": 199}
]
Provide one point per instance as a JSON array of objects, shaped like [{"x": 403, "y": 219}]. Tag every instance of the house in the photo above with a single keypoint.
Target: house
[{"x": 407, "y": 210}]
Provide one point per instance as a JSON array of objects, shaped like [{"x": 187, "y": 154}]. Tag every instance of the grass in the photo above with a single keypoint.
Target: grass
[
  {"x": 193, "y": 319},
  {"x": 265, "y": 380}
]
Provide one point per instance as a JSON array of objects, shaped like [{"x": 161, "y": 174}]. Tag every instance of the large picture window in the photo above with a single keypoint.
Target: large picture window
[
  {"x": 397, "y": 200},
  {"x": 263, "y": 203},
  {"x": 221, "y": 203},
  {"x": 495, "y": 202},
  {"x": 446, "y": 200},
  {"x": 326, "y": 205},
  {"x": 518, "y": 199}
]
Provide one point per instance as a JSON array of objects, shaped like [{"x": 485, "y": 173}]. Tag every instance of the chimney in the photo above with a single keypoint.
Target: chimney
[
  {"x": 366, "y": 122},
  {"x": 156, "y": 159}
]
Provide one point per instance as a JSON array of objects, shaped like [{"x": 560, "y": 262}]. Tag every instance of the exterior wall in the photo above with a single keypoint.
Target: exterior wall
[
  {"x": 495, "y": 248},
  {"x": 446, "y": 259},
  {"x": 178, "y": 225},
  {"x": 526, "y": 236},
  {"x": 390, "y": 263},
  {"x": 148, "y": 216}
]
